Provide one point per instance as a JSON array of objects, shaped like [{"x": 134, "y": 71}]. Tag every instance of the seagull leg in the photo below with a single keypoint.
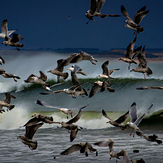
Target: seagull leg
[
  {"x": 129, "y": 66},
  {"x": 131, "y": 132},
  {"x": 15, "y": 80},
  {"x": 144, "y": 76}
]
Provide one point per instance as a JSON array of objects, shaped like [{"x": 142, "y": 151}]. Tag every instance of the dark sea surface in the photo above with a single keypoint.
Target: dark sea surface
[{"x": 53, "y": 140}]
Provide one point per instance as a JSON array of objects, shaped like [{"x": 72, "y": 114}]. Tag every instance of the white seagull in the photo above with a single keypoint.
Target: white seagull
[
  {"x": 4, "y": 29},
  {"x": 134, "y": 118}
]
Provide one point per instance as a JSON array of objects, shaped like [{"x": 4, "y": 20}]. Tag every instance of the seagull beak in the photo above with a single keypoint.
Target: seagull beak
[{"x": 60, "y": 109}]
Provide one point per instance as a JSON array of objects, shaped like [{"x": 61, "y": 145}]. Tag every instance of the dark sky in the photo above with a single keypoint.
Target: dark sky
[{"x": 44, "y": 24}]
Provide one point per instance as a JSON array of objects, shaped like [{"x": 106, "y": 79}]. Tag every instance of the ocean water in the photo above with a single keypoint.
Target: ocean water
[{"x": 51, "y": 139}]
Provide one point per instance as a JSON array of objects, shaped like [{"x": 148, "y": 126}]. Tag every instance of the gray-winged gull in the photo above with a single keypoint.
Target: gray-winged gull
[
  {"x": 134, "y": 24},
  {"x": 95, "y": 9},
  {"x": 8, "y": 75},
  {"x": 131, "y": 53},
  {"x": 68, "y": 111},
  {"x": 14, "y": 41},
  {"x": 105, "y": 72},
  {"x": 142, "y": 67},
  {"x": 39, "y": 118},
  {"x": 83, "y": 56},
  {"x": 70, "y": 126},
  {"x": 135, "y": 121},
  {"x": 82, "y": 147},
  {"x": 4, "y": 29},
  {"x": 97, "y": 85}
]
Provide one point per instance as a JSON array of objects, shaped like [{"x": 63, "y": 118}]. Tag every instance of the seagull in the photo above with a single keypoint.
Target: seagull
[
  {"x": 117, "y": 123},
  {"x": 142, "y": 67},
  {"x": 71, "y": 126},
  {"x": 131, "y": 53},
  {"x": 134, "y": 118},
  {"x": 61, "y": 63},
  {"x": 134, "y": 24},
  {"x": 75, "y": 80},
  {"x": 39, "y": 118},
  {"x": 82, "y": 147},
  {"x": 67, "y": 111},
  {"x": 153, "y": 138},
  {"x": 95, "y": 8},
  {"x": 27, "y": 138},
  {"x": 6, "y": 102},
  {"x": 8, "y": 75},
  {"x": 38, "y": 79},
  {"x": 14, "y": 41},
  {"x": 97, "y": 85},
  {"x": 106, "y": 73},
  {"x": 4, "y": 29},
  {"x": 152, "y": 87},
  {"x": 70, "y": 91},
  {"x": 108, "y": 143},
  {"x": 83, "y": 56}
]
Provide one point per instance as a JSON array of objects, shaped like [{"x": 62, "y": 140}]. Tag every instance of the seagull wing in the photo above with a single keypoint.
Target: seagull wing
[
  {"x": 130, "y": 47},
  {"x": 122, "y": 118},
  {"x": 73, "y": 148},
  {"x": 140, "y": 15},
  {"x": 133, "y": 112},
  {"x": 31, "y": 130},
  {"x": 4, "y": 28},
  {"x": 142, "y": 116},
  {"x": 43, "y": 77},
  {"x": 125, "y": 156},
  {"x": 142, "y": 59},
  {"x": 105, "y": 68},
  {"x": 136, "y": 51},
  {"x": 43, "y": 103},
  {"x": 125, "y": 13},
  {"x": 73, "y": 134},
  {"x": 105, "y": 115},
  {"x": 77, "y": 117},
  {"x": 94, "y": 90},
  {"x": 100, "y": 3}
]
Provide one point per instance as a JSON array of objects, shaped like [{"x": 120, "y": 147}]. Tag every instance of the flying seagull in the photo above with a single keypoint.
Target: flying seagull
[
  {"x": 8, "y": 75},
  {"x": 4, "y": 29},
  {"x": 142, "y": 67},
  {"x": 106, "y": 73},
  {"x": 6, "y": 102},
  {"x": 14, "y": 41},
  {"x": 38, "y": 80},
  {"x": 108, "y": 143},
  {"x": 152, "y": 138},
  {"x": 95, "y": 9},
  {"x": 27, "y": 138},
  {"x": 39, "y": 118},
  {"x": 70, "y": 91},
  {"x": 61, "y": 63},
  {"x": 131, "y": 53},
  {"x": 97, "y": 85},
  {"x": 118, "y": 122},
  {"x": 82, "y": 147},
  {"x": 134, "y": 118},
  {"x": 134, "y": 24},
  {"x": 83, "y": 56},
  {"x": 70, "y": 126},
  {"x": 68, "y": 111}
]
